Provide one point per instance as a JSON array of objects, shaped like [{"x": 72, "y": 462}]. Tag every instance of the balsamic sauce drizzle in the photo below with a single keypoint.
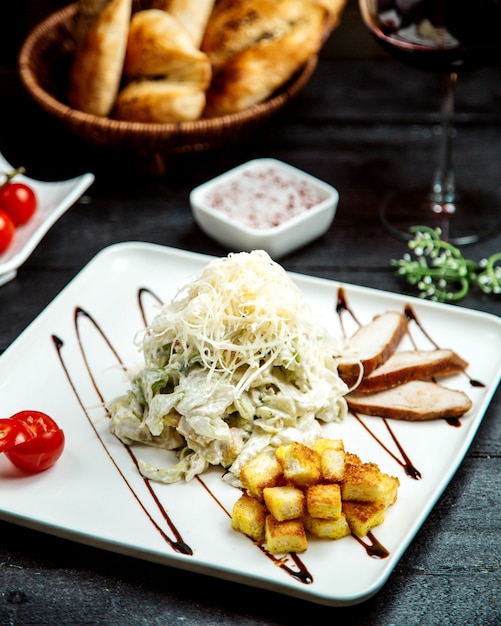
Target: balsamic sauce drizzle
[
  {"x": 343, "y": 307},
  {"x": 177, "y": 544},
  {"x": 301, "y": 574},
  {"x": 373, "y": 547},
  {"x": 142, "y": 291},
  {"x": 405, "y": 462}
]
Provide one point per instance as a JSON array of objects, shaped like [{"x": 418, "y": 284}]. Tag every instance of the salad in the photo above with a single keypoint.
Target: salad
[{"x": 234, "y": 365}]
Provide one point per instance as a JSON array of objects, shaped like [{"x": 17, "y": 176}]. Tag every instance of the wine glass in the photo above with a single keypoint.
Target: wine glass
[{"x": 445, "y": 37}]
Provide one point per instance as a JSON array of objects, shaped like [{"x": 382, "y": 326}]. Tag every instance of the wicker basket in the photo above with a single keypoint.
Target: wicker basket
[{"x": 44, "y": 62}]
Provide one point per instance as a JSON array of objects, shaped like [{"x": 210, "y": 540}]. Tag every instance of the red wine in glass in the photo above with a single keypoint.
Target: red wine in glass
[{"x": 445, "y": 37}]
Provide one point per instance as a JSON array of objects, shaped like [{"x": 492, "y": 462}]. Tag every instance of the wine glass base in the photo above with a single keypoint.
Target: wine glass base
[{"x": 474, "y": 215}]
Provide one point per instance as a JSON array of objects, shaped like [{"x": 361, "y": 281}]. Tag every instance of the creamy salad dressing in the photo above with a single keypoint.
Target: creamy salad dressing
[{"x": 235, "y": 364}]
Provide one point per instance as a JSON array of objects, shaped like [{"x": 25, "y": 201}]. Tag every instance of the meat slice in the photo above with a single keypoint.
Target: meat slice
[
  {"x": 413, "y": 401},
  {"x": 372, "y": 344},
  {"x": 406, "y": 365}
]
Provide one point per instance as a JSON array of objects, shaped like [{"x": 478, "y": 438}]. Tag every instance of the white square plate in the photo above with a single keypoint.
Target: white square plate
[
  {"x": 54, "y": 199},
  {"x": 68, "y": 361}
]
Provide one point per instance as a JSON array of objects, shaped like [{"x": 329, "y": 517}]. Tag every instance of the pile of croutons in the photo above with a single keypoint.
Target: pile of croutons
[{"x": 322, "y": 490}]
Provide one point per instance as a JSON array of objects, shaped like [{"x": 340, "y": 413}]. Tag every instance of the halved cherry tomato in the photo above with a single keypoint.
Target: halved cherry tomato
[
  {"x": 19, "y": 201},
  {"x": 39, "y": 453},
  {"x": 13, "y": 433},
  {"x": 34, "y": 442},
  {"x": 7, "y": 229},
  {"x": 38, "y": 422}
]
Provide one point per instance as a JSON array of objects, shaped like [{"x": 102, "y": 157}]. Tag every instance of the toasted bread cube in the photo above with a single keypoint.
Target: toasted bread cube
[
  {"x": 363, "y": 516},
  {"x": 323, "y": 443},
  {"x": 361, "y": 482},
  {"x": 287, "y": 536},
  {"x": 390, "y": 485},
  {"x": 366, "y": 483},
  {"x": 248, "y": 516},
  {"x": 260, "y": 472},
  {"x": 327, "y": 528},
  {"x": 332, "y": 464},
  {"x": 285, "y": 502},
  {"x": 332, "y": 458},
  {"x": 300, "y": 464},
  {"x": 349, "y": 457},
  {"x": 324, "y": 501}
]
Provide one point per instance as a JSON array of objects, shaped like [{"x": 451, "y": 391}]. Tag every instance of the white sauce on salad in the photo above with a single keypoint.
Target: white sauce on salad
[{"x": 235, "y": 364}]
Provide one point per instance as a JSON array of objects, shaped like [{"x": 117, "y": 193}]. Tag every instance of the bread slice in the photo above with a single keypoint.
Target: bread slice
[
  {"x": 413, "y": 401},
  {"x": 406, "y": 365},
  {"x": 334, "y": 7},
  {"x": 87, "y": 12},
  {"x": 192, "y": 14},
  {"x": 159, "y": 47},
  {"x": 159, "y": 102},
  {"x": 234, "y": 27},
  {"x": 96, "y": 69},
  {"x": 257, "y": 46}
]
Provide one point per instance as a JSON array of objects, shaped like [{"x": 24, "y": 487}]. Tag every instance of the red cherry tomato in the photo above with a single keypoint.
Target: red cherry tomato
[
  {"x": 19, "y": 201},
  {"x": 7, "y": 230},
  {"x": 39, "y": 453},
  {"x": 13, "y": 433},
  {"x": 34, "y": 442}
]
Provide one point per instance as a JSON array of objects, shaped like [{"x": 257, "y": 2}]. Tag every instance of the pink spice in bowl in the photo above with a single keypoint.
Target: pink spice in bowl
[{"x": 264, "y": 204}]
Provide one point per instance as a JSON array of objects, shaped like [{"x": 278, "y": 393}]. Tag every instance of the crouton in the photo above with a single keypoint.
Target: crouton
[
  {"x": 287, "y": 536},
  {"x": 327, "y": 528},
  {"x": 354, "y": 459},
  {"x": 332, "y": 458},
  {"x": 364, "y": 516},
  {"x": 285, "y": 502},
  {"x": 322, "y": 443},
  {"x": 366, "y": 483},
  {"x": 248, "y": 516},
  {"x": 324, "y": 501},
  {"x": 332, "y": 464},
  {"x": 260, "y": 472},
  {"x": 390, "y": 485},
  {"x": 361, "y": 482},
  {"x": 300, "y": 464},
  {"x": 322, "y": 491}
]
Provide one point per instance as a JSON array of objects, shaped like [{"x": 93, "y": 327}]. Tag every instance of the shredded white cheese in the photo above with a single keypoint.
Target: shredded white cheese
[{"x": 234, "y": 364}]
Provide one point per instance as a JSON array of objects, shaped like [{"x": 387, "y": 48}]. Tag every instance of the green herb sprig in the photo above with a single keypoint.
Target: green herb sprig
[{"x": 440, "y": 271}]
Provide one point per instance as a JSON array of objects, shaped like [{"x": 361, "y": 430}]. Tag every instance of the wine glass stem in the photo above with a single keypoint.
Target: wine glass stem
[{"x": 444, "y": 184}]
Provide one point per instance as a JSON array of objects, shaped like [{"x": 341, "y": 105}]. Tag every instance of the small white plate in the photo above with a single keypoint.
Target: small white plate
[
  {"x": 54, "y": 198},
  {"x": 69, "y": 359}
]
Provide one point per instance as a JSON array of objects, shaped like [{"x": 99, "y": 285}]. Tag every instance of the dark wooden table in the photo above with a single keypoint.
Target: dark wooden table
[{"x": 365, "y": 126}]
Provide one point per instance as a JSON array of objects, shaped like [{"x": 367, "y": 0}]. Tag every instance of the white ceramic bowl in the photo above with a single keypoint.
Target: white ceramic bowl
[{"x": 264, "y": 204}]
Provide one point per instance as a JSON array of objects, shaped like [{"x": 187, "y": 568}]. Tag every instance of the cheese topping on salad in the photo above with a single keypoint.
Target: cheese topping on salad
[{"x": 234, "y": 365}]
